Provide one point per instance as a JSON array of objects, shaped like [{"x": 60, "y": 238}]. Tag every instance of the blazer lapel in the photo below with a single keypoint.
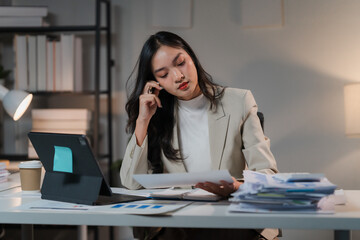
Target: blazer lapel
[{"x": 218, "y": 126}]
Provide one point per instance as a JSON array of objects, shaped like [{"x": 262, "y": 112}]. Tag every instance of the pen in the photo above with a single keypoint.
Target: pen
[{"x": 58, "y": 208}]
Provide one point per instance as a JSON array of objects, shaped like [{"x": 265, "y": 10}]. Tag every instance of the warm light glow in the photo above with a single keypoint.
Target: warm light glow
[
  {"x": 22, "y": 107},
  {"x": 352, "y": 109}
]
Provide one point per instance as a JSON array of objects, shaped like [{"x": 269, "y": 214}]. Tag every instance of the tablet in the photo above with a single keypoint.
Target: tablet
[{"x": 72, "y": 171}]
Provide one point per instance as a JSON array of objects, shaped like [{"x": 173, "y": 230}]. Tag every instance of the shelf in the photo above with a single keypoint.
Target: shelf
[
  {"x": 14, "y": 157},
  {"x": 47, "y": 94},
  {"x": 18, "y": 157},
  {"x": 7, "y": 30},
  {"x": 98, "y": 29}
]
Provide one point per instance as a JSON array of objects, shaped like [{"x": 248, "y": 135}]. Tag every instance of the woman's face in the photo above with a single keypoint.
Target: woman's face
[{"x": 175, "y": 71}]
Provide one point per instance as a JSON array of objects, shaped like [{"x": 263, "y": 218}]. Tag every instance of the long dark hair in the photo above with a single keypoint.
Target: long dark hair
[{"x": 160, "y": 130}]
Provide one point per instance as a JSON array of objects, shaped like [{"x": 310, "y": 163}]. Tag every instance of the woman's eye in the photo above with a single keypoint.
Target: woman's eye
[
  {"x": 182, "y": 63},
  {"x": 164, "y": 76}
]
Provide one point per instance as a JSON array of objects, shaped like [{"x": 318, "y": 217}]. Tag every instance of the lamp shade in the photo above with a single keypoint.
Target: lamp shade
[
  {"x": 352, "y": 109},
  {"x": 15, "y": 102}
]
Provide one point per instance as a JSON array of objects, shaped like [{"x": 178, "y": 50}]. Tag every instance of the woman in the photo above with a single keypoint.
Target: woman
[{"x": 182, "y": 121}]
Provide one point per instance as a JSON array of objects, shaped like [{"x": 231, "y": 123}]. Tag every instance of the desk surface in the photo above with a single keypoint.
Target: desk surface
[{"x": 202, "y": 215}]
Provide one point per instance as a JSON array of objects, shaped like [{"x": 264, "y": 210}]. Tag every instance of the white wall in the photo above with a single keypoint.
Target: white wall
[{"x": 296, "y": 73}]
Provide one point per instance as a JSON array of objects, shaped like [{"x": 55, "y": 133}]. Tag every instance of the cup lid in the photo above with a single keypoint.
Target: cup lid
[{"x": 30, "y": 164}]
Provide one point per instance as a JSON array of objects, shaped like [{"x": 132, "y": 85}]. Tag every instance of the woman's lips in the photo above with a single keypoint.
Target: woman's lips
[{"x": 183, "y": 86}]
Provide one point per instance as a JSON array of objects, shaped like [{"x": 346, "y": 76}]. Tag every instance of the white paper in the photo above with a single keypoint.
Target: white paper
[
  {"x": 186, "y": 194},
  {"x": 236, "y": 208},
  {"x": 181, "y": 179},
  {"x": 8, "y": 185},
  {"x": 299, "y": 177},
  {"x": 138, "y": 192},
  {"x": 22, "y": 194},
  {"x": 53, "y": 205},
  {"x": 147, "y": 207}
]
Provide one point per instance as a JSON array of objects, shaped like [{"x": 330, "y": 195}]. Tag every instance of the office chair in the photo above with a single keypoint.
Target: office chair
[
  {"x": 2, "y": 232},
  {"x": 261, "y": 118}
]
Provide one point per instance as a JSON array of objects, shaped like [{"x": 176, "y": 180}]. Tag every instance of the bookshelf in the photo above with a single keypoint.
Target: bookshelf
[{"x": 97, "y": 29}]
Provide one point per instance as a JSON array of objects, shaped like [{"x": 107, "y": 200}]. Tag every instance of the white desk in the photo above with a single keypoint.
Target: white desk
[{"x": 201, "y": 215}]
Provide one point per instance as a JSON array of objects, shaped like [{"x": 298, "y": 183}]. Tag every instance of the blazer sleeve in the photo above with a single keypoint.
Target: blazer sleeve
[
  {"x": 256, "y": 145},
  {"x": 134, "y": 162}
]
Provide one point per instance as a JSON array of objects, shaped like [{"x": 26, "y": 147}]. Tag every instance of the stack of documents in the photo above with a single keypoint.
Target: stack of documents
[
  {"x": 3, "y": 172},
  {"x": 283, "y": 192}
]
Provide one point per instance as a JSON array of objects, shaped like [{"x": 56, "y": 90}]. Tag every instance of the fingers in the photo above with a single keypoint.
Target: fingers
[
  {"x": 150, "y": 93},
  {"x": 236, "y": 184},
  {"x": 152, "y": 87},
  {"x": 224, "y": 189},
  {"x": 150, "y": 100}
]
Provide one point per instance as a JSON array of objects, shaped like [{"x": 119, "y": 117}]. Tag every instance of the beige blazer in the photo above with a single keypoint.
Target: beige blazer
[
  {"x": 236, "y": 142},
  {"x": 235, "y": 136}
]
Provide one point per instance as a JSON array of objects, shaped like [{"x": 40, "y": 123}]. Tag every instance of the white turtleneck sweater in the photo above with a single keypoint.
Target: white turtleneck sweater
[{"x": 194, "y": 134}]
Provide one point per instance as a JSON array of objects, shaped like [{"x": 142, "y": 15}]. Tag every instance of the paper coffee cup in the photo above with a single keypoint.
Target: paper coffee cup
[{"x": 30, "y": 175}]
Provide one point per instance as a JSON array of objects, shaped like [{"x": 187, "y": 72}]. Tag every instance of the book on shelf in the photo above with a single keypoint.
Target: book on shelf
[
  {"x": 21, "y": 67},
  {"x": 32, "y": 63},
  {"x": 65, "y": 131},
  {"x": 41, "y": 62},
  {"x": 23, "y": 11},
  {"x": 45, "y": 63},
  {"x": 59, "y": 120},
  {"x": 50, "y": 65},
  {"x": 67, "y": 61},
  {"x": 21, "y": 21},
  {"x": 60, "y": 124},
  {"x": 58, "y": 69},
  {"x": 78, "y": 67},
  {"x": 61, "y": 114}
]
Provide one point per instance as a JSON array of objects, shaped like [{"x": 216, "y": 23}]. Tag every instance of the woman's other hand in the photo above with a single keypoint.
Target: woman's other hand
[
  {"x": 149, "y": 101},
  {"x": 224, "y": 189}
]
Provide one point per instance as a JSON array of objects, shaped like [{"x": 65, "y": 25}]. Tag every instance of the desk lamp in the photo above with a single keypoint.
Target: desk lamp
[
  {"x": 352, "y": 109},
  {"x": 15, "y": 102}
]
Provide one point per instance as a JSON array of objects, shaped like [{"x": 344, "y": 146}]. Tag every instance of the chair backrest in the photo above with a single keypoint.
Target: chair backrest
[{"x": 261, "y": 118}]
